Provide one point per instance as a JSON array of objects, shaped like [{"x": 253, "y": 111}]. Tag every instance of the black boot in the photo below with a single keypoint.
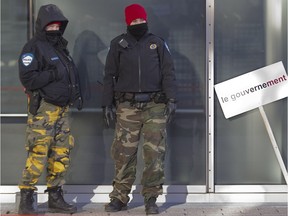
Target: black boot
[
  {"x": 115, "y": 205},
  {"x": 56, "y": 202},
  {"x": 26, "y": 202},
  {"x": 150, "y": 206}
]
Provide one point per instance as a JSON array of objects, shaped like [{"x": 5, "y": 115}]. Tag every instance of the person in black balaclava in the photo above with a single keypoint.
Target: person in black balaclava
[
  {"x": 140, "y": 82},
  {"x": 50, "y": 78}
]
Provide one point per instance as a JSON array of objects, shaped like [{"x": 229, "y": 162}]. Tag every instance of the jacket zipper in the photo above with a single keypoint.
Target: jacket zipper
[
  {"x": 139, "y": 73},
  {"x": 139, "y": 70}
]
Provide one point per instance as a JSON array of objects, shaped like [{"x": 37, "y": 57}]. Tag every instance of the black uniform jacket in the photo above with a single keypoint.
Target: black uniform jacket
[
  {"x": 138, "y": 66},
  {"x": 47, "y": 67}
]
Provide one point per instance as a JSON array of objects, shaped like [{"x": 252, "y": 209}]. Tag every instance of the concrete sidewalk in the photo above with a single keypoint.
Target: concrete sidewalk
[{"x": 172, "y": 209}]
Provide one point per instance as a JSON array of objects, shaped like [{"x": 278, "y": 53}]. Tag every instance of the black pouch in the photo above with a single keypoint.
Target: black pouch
[
  {"x": 160, "y": 97},
  {"x": 143, "y": 97},
  {"x": 119, "y": 97},
  {"x": 34, "y": 102}
]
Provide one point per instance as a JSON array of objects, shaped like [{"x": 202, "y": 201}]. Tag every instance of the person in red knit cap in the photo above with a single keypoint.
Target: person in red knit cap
[{"x": 140, "y": 83}]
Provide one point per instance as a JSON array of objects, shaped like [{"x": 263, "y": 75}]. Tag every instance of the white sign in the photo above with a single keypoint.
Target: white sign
[{"x": 252, "y": 90}]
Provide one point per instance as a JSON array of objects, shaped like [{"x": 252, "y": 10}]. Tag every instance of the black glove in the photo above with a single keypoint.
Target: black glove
[
  {"x": 80, "y": 103},
  {"x": 170, "y": 109},
  {"x": 109, "y": 115},
  {"x": 77, "y": 98}
]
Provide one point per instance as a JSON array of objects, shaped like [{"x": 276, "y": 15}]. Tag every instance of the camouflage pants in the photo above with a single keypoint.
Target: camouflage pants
[
  {"x": 131, "y": 123},
  {"x": 48, "y": 142}
]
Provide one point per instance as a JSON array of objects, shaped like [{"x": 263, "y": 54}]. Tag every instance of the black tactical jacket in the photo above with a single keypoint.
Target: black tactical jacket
[
  {"x": 138, "y": 66},
  {"x": 47, "y": 67}
]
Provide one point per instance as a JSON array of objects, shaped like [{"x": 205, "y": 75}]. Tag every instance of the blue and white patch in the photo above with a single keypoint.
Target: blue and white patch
[
  {"x": 27, "y": 59},
  {"x": 55, "y": 58}
]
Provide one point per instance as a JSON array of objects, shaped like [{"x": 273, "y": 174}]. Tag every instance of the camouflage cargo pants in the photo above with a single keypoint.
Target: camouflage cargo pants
[
  {"x": 131, "y": 123},
  {"x": 48, "y": 141}
]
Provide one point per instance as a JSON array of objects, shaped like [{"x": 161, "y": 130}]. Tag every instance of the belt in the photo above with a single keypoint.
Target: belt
[
  {"x": 157, "y": 97},
  {"x": 139, "y": 97}
]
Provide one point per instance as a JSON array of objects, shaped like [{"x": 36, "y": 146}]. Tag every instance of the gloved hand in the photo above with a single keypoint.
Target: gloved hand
[
  {"x": 80, "y": 103},
  {"x": 109, "y": 115},
  {"x": 170, "y": 109},
  {"x": 76, "y": 97}
]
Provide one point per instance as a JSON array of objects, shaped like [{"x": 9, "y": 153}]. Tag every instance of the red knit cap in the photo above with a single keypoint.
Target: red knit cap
[
  {"x": 134, "y": 11},
  {"x": 55, "y": 22}
]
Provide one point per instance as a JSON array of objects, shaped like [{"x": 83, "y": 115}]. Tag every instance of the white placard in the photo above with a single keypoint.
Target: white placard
[{"x": 252, "y": 90}]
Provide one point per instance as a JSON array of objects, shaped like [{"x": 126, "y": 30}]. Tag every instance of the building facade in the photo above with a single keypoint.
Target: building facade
[{"x": 209, "y": 158}]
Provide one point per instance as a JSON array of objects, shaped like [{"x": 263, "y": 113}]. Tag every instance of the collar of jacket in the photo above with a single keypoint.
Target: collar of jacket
[{"x": 132, "y": 39}]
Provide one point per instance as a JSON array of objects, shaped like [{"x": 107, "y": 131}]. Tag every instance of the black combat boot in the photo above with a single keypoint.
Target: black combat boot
[
  {"x": 26, "y": 202},
  {"x": 150, "y": 206},
  {"x": 56, "y": 202},
  {"x": 115, "y": 205}
]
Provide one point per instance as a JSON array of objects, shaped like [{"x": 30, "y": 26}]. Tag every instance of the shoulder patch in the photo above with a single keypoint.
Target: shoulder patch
[
  {"x": 27, "y": 59},
  {"x": 153, "y": 46}
]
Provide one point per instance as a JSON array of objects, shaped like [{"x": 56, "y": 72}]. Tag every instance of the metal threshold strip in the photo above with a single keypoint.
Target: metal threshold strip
[{"x": 171, "y": 194}]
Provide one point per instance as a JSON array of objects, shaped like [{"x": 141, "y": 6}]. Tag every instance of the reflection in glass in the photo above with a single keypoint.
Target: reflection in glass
[{"x": 13, "y": 37}]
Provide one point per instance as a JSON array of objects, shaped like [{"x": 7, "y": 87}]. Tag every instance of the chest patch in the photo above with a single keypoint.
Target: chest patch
[
  {"x": 27, "y": 59},
  {"x": 55, "y": 58},
  {"x": 153, "y": 46}
]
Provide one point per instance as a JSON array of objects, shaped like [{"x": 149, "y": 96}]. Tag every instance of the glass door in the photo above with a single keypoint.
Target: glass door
[
  {"x": 249, "y": 34},
  {"x": 92, "y": 25}
]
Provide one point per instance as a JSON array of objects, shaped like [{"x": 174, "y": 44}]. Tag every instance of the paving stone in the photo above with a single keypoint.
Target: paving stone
[{"x": 186, "y": 209}]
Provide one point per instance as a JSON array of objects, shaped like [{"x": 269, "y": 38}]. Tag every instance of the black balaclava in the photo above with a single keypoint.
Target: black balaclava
[
  {"x": 137, "y": 30},
  {"x": 53, "y": 36}
]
